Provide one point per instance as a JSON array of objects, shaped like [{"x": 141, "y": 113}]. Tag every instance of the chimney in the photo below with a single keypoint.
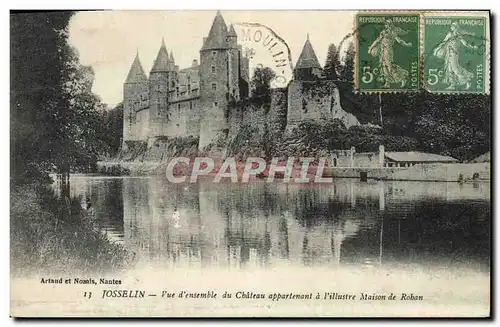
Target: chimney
[
  {"x": 195, "y": 63},
  {"x": 381, "y": 156}
]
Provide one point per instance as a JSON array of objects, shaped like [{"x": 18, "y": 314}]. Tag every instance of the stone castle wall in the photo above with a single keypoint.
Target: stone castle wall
[
  {"x": 259, "y": 114},
  {"x": 136, "y": 99},
  {"x": 277, "y": 115},
  {"x": 183, "y": 119},
  {"x": 141, "y": 127},
  {"x": 316, "y": 100},
  {"x": 301, "y": 101}
]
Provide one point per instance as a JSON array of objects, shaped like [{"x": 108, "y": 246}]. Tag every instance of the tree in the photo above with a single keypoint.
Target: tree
[
  {"x": 455, "y": 125},
  {"x": 347, "y": 71},
  {"x": 112, "y": 121},
  {"x": 261, "y": 81},
  {"x": 332, "y": 63},
  {"x": 55, "y": 119}
]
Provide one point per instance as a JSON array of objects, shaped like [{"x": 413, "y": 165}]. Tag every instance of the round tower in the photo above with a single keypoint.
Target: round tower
[
  {"x": 160, "y": 90},
  {"x": 135, "y": 98},
  {"x": 216, "y": 82}
]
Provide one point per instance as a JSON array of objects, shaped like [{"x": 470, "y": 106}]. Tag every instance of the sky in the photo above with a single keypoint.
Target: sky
[{"x": 109, "y": 40}]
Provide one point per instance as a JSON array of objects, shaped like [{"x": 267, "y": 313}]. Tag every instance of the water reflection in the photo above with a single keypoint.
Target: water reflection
[{"x": 264, "y": 225}]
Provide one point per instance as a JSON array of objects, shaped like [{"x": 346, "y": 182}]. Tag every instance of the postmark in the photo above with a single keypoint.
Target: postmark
[
  {"x": 455, "y": 52},
  {"x": 387, "y": 52},
  {"x": 265, "y": 48}
]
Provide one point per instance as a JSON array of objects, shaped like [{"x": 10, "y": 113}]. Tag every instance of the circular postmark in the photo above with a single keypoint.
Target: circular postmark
[{"x": 265, "y": 48}]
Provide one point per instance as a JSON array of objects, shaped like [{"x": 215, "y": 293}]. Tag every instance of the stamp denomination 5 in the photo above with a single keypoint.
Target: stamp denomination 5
[
  {"x": 455, "y": 48},
  {"x": 387, "y": 57}
]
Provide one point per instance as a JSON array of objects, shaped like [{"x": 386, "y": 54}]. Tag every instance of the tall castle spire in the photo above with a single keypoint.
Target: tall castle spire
[
  {"x": 136, "y": 73},
  {"x": 162, "y": 59},
  {"x": 217, "y": 36}
]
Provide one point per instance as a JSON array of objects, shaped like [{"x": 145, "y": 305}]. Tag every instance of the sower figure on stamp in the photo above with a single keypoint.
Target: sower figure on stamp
[
  {"x": 454, "y": 74},
  {"x": 382, "y": 48}
]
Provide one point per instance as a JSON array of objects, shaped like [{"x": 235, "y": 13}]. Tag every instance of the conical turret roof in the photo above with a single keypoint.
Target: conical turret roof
[
  {"x": 217, "y": 36},
  {"x": 231, "y": 32},
  {"x": 136, "y": 74},
  {"x": 307, "y": 58},
  {"x": 162, "y": 60},
  {"x": 172, "y": 57}
]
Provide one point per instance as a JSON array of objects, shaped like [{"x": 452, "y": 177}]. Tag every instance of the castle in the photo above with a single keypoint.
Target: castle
[{"x": 195, "y": 101}]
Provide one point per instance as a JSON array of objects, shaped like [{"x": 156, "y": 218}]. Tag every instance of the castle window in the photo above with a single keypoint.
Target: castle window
[
  {"x": 179, "y": 106},
  {"x": 214, "y": 86},
  {"x": 213, "y": 69},
  {"x": 173, "y": 84},
  {"x": 158, "y": 87},
  {"x": 215, "y": 104},
  {"x": 190, "y": 105},
  {"x": 214, "y": 53}
]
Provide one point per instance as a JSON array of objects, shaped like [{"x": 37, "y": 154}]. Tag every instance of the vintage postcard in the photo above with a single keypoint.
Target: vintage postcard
[{"x": 250, "y": 164}]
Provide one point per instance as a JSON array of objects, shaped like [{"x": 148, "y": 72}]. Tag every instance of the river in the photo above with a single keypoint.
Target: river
[{"x": 365, "y": 225}]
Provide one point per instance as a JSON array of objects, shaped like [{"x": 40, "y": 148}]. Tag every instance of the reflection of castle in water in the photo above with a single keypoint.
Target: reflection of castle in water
[
  {"x": 249, "y": 225},
  {"x": 260, "y": 225}
]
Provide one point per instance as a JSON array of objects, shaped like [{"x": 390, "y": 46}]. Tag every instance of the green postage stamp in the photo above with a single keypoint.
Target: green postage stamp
[
  {"x": 388, "y": 52},
  {"x": 455, "y": 52}
]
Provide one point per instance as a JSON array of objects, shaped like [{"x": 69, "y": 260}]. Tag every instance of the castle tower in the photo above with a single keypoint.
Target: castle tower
[
  {"x": 172, "y": 62},
  {"x": 232, "y": 37},
  {"x": 135, "y": 98},
  {"x": 233, "y": 64},
  {"x": 218, "y": 80},
  {"x": 307, "y": 67},
  {"x": 160, "y": 83}
]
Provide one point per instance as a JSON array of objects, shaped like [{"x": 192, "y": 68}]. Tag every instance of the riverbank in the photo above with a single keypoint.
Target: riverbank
[
  {"x": 455, "y": 172},
  {"x": 50, "y": 235}
]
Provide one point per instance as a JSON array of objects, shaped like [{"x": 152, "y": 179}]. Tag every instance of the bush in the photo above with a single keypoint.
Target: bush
[{"x": 50, "y": 234}]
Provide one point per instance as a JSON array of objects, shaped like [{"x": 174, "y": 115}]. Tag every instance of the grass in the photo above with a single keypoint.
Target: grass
[{"x": 50, "y": 235}]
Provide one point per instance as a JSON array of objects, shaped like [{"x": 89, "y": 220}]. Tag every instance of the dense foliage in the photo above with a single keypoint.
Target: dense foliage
[
  {"x": 347, "y": 69},
  {"x": 50, "y": 234},
  {"x": 312, "y": 137},
  {"x": 447, "y": 124},
  {"x": 261, "y": 81},
  {"x": 56, "y": 121},
  {"x": 112, "y": 130},
  {"x": 332, "y": 64}
]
